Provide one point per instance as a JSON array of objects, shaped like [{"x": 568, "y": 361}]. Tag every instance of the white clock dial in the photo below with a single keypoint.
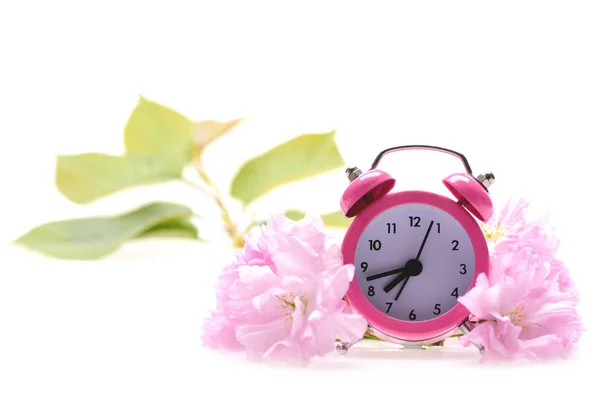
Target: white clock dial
[{"x": 413, "y": 261}]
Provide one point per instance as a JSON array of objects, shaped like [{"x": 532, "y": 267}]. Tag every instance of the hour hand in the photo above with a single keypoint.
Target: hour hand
[
  {"x": 395, "y": 282},
  {"x": 384, "y": 274}
]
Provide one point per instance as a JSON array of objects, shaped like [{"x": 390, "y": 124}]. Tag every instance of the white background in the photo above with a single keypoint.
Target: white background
[{"x": 514, "y": 85}]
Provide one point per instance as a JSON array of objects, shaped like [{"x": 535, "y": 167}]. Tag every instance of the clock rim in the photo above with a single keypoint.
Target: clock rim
[{"x": 417, "y": 331}]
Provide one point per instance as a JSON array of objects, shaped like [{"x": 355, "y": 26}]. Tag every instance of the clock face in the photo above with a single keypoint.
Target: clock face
[{"x": 413, "y": 261}]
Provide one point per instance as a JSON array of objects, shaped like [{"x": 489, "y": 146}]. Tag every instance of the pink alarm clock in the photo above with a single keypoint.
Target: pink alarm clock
[{"x": 415, "y": 252}]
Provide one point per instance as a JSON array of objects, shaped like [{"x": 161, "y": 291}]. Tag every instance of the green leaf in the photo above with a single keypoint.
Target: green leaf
[
  {"x": 296, "y": 159},
  {"x": 85, "y": 177},
  {"x": 205, "y": 132},
  {"x": 335, "y": 219},
  {"x": 176, "y": 228},
  {"x": 92, "y": 238},
  {"x": 154, "y": 130}
]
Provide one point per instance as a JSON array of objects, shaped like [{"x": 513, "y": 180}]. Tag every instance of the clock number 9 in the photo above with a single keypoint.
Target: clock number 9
[{"x": 364, "y": 266}]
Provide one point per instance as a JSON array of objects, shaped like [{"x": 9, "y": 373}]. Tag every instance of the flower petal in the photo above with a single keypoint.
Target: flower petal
[
  {"x": 349, "y": 327},
  {"x": 323, "y": 332},
  {"x": 259, "y": 338},
  {"x": 297, "y": 316},
  {"x": 546, "y": 347},
  {"x": 477, "y": 300},
  {"x": 219, "y": 333},
  {"x": 499, "y": 339},
  {"x": 334, "y": 284},
  {"x": 252, "y": 281},
  {"x": 295, "y": 257}
]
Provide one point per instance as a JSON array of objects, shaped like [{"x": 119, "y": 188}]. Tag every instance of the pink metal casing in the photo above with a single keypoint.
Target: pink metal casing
[
  {"x": 477, "y": 199},
  {"x": 423, "y": 331},
  {"x": 365, "y": 189}
]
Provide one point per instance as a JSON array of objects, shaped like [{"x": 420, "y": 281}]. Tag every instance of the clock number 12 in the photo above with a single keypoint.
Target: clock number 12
[{"x": 415, "y": 222}]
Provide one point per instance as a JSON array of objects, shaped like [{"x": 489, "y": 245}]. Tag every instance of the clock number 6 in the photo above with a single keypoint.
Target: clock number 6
[{"x": 412, "y": 315}]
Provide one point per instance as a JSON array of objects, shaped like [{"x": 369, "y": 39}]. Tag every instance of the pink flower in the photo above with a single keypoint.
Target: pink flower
[
  {"x": 219, "y": 332},
  {"x": 287, "y": 306},
  {"x": 522, "y": 308},
  {"x": 566, "y": 285},
  {"x": 509, "y": 221},
  {"x": 511, "y": 229}
]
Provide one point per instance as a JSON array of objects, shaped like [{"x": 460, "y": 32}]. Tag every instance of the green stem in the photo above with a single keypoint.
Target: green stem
[
  {"x": 196, "y": 186},
  {"x": 230, "y": 226}
]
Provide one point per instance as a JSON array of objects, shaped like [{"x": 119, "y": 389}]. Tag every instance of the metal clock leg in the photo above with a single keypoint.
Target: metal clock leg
[
  {"x": 467, "y": 327},
  {"x": 343, "y": 347},
  {"x": 413, "y": 346}
]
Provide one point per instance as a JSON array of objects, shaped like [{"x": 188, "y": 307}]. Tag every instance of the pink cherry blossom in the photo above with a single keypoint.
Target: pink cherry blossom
[
  {"x": 512, "y": 228},
  {"x": 522, "y": 309},
  {"x": 219, "y": 332},
  {"x": 254, "y": 253},
  {"x": 281, "y": 299},
  {"x": 509, "y": 220}
]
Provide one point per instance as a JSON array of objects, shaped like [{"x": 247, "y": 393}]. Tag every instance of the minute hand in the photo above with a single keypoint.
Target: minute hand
[
  {"x": 424, "y": 240},
  {"x": 410, "y": 271}
]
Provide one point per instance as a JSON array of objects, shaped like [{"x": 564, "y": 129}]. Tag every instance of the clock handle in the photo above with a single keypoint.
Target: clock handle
[{"x": 423, "y": 147}]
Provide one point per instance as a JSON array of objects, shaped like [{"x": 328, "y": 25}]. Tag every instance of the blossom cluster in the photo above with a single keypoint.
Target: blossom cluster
[
  {"x": 526, "y": 305},
  {"x": 281, "y": 298}
]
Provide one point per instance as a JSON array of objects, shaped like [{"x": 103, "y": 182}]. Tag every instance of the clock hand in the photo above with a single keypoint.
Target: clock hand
[
  {"x": 424, "y": 240},
  {"x": 413, "y": 267},
  {"x": 384, "y": 274},
  {"x": 395, "y": 282},
  {"x": 402, "y": 287}
]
